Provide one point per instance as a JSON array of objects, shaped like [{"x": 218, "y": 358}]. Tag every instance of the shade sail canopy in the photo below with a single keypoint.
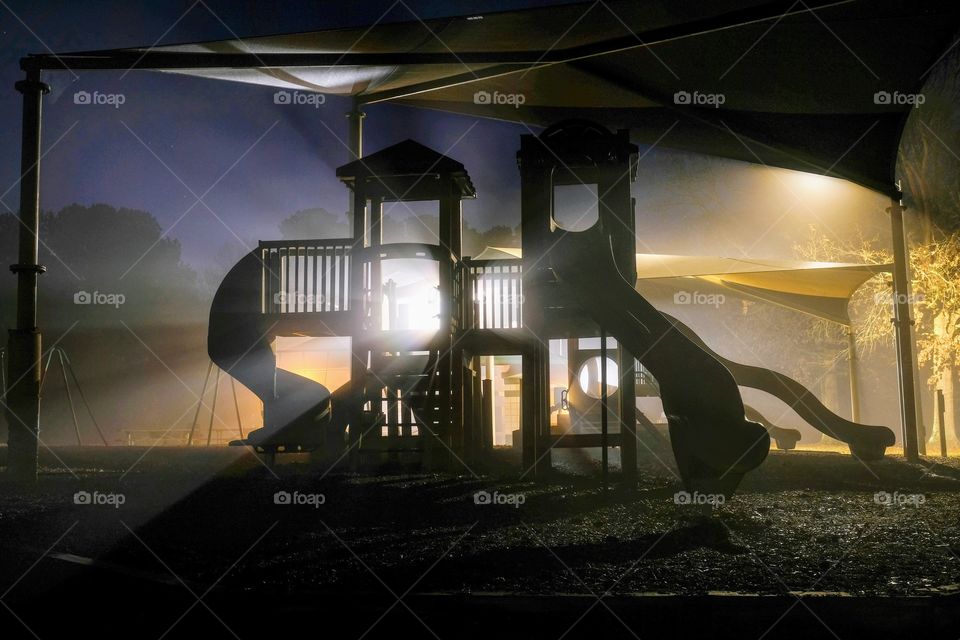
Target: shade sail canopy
[
  {"x": 820, "y": 289},
  {"x": 500, "y": 253},
  {"x": 821, "y": 86}
]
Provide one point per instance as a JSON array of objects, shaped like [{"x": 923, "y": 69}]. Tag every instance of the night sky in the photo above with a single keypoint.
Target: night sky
[{"x": 199, "y": 128}]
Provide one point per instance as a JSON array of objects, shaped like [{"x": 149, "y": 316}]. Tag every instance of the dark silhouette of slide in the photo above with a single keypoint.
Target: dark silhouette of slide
[
  {"x": 785, "y": 438},
  {"x": 299, "y": 414},
  {"x": 713, "y": 443},
  {"x": 867, "y": 442}
]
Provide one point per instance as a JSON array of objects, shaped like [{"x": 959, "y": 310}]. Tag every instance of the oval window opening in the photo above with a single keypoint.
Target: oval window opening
[
  {"x": 576, "y": 207},
  {"x": 589, "y": 377}
]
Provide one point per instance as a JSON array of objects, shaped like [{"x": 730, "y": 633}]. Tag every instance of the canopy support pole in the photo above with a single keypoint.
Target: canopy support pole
[
  {"x": 854, "y": 375},
  {"x": 355, "y": 131},
  {"x": 904, "y": 333},
  {"x": 604, "y": 429},
  {"x": 23, "y": 396}
]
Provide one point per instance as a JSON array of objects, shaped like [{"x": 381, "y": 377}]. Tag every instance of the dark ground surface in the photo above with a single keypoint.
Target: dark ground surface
[{"x": 199, "y": 520}]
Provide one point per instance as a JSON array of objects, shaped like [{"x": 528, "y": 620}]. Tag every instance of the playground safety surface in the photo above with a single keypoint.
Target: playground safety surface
[{"x": 813, "y": 544}]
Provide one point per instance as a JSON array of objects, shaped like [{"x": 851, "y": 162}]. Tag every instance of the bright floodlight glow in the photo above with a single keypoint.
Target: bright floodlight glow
[
  {"x": 414, "y": 286},
  {"x": 814, "y": 182}
]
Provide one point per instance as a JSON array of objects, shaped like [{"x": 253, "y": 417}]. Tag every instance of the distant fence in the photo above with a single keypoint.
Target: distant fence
[{"x": 174, "y": 437}]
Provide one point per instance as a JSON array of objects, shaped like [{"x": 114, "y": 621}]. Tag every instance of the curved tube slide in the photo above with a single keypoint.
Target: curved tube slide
[
  {"x": 867, "y": 442},
  {"x": 713, "y": 443},
  {"x": 297, "y": 411}
]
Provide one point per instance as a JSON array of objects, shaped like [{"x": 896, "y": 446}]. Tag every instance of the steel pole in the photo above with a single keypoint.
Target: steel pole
[
  {"x": 904, "y": 333},
  {"x": 24, "y": 345},
  {"x": 854, "y": 375}
]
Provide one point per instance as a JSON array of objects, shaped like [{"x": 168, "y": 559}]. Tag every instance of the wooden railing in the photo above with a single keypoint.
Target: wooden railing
[
  {"x": 641, "y": 375},
  {"x": 495, "y": 294},
  {"x": 306, "y": 276},
  {"x": 313, "y": 276}
]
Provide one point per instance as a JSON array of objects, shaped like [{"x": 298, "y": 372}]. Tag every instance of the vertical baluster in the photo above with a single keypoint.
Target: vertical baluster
[
  {"x": 517, "y": 300},
  {"x": 328, "y": 278},
  {"x": 276, "y": 280},
  {"x": 511, "y": 312},
  {"x": 497, "y": 299},
  {"x": 324, "y": 253},
  {"x": 291, "y": 280},
  {"x": 281, "y": 279},
  {"x": 486, "y": 297},
  {"x": 338, "y": 291},
  {"x": 307, "y": 277},
  {"x": 297, "y": 284},
  {"x": 342, "y": 277},
  {"x": 265, "y": 280},
  {"x": 284, "y": 279},
  {"x": 502, "y": 306},
  {"x": 508, "y": 297},
  {"x": 311, "y": 267},
  {"x": 493, "y": 297},
  {"x": 347, "y": 266},
  {"x": 519, "y": 295}
]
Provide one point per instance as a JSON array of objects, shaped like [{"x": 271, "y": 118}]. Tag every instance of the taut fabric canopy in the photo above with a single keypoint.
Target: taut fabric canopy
[
  {"x": 820, "y": 289},
  {"x": 818, "y": 86}
]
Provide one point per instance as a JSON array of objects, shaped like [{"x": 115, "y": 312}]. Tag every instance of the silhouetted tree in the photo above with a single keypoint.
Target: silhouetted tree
[
  {"x": 930, "y": 168},
  {"x": 119, "y": 298},
  {"x": 314, "y": 223}
]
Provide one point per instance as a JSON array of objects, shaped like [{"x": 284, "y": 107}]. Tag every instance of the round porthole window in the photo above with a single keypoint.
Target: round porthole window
[{"x": 589, "y": 377}]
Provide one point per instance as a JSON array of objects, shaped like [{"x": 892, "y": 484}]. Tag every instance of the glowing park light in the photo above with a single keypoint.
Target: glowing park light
[
  {"x": 815, "y": 183},
  {"x": 423, "y": 309}
]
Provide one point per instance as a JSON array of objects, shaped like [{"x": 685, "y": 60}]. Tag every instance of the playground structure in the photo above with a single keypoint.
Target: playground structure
[
  {"x": 821, "y": 120},
  {"x": 420, "y": 383}
]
